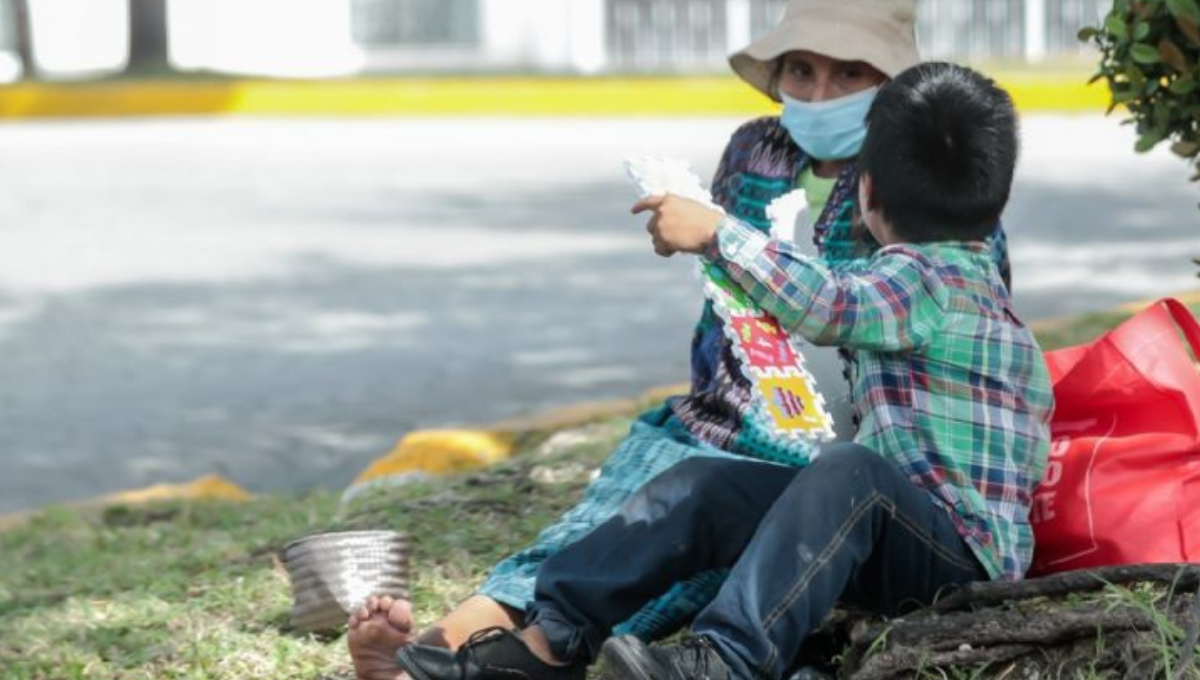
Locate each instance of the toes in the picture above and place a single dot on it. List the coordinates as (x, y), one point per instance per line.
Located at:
(385, 602)
(400, 615)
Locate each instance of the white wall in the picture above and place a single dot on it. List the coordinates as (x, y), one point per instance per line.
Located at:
(266, 37)
(313, 38)
(585, 19)
(73, 38)
(558, 35)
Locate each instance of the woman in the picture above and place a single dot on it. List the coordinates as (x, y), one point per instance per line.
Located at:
(824, 61)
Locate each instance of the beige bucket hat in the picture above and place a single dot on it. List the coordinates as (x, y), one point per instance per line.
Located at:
(880, 32)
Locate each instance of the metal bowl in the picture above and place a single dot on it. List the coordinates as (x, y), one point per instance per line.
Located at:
(333, 574)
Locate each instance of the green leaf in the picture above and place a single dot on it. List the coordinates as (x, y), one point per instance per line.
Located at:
(1184, 8)
(1137, 79)
(1147, 141)
(1086, 33)
(1162, 120)
(1183, 86)
(1186, 149)
(1123, 95)
(1141, 29)
(1144, 54)
(1116, 26)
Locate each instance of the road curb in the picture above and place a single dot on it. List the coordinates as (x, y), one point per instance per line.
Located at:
(482, 96)
(1191, 297)
(208, 487)
(426, 453)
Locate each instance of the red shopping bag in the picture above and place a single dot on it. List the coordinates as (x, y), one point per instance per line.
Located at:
(1123, 482)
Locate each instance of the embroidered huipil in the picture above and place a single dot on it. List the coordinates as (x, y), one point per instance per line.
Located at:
(949, 385)
(760, 164)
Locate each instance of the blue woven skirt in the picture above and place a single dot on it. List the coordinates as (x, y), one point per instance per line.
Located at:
(656, 442)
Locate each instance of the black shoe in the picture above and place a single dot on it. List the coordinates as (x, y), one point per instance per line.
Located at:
(490, 654)
(628, 658)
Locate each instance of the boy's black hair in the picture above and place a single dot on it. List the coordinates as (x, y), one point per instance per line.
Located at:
(941, 149)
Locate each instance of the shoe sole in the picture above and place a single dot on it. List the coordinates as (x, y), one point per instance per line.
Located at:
(408, 666)
(622, 658)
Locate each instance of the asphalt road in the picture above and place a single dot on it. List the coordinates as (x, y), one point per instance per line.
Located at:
(279, 300)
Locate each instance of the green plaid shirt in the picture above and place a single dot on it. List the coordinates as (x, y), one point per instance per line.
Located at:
(948, 383)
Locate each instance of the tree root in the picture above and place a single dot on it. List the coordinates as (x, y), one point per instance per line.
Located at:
(1124, 623)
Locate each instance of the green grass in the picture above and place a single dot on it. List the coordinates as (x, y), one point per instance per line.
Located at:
(167, 591)
(196, 590)
(1084, 328)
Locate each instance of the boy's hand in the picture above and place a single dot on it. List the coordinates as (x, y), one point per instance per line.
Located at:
(679, 224)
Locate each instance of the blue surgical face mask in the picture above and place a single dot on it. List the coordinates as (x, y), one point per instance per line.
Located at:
(828, 130)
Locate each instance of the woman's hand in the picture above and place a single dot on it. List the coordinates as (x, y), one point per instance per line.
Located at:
(679, 224)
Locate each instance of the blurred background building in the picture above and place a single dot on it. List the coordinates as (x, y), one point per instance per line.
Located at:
(70, 39)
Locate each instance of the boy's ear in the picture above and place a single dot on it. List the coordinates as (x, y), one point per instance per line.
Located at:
(866, 192)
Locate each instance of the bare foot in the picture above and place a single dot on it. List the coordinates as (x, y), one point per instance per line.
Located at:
(377, 630)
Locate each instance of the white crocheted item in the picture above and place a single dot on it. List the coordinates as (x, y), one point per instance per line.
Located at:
(655, 176)
(784, 212)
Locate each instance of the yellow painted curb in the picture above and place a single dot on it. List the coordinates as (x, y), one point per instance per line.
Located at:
(528, 96)
(14, 520)
(656, 394)
(423, 453)
(1190, 297)
(210, 487)
(583, 413)
(1051, 325)
(441, 452)
(1059, 91)
(436, 452)
(565, 417)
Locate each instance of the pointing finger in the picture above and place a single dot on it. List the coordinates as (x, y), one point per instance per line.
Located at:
(647, 203)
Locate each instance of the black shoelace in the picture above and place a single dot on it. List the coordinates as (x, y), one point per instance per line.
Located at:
(479, 637)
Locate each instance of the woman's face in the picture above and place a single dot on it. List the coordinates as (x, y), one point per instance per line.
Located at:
(812, 77)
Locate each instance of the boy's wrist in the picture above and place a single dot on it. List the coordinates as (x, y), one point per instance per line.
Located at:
(736, 242)
(712, 250)
(725, 229)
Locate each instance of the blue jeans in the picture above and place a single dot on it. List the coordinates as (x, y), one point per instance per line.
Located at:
(849, 527)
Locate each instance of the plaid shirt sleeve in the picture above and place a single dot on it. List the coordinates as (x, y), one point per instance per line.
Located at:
(893, 306)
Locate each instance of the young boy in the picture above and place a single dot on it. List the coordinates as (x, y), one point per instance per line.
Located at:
(954, 402)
